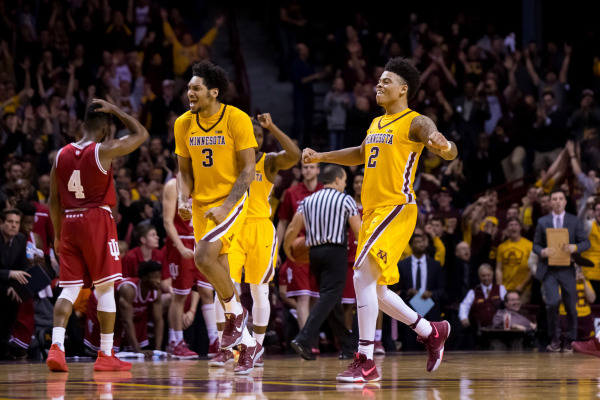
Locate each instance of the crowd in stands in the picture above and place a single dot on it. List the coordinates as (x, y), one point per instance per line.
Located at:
(517, 114)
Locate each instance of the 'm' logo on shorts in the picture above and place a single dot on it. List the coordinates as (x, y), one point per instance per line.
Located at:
(383, 255)
(113, 246)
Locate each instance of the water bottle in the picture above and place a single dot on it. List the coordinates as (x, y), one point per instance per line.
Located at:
(507, 324)
(30, 250)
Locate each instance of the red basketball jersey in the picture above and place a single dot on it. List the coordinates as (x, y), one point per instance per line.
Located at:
(82, 181)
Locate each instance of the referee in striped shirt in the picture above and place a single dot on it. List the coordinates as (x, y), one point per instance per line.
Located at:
(325, 215)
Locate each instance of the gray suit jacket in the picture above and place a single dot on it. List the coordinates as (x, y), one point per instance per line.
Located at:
(577, 236)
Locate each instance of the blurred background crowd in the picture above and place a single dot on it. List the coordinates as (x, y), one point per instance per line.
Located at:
(523, 112)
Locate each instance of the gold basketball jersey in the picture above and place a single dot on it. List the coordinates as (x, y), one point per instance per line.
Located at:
(391, 160)
(212, 144)
(260, 190)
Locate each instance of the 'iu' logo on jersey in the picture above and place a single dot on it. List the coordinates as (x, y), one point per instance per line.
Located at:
(113, 246)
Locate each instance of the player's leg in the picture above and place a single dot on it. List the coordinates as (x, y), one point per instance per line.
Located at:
(378, 349)
(432, 334)
(261, 310)
(303, 309)
(250, 350)
(107, 313)
(209, 314)
(223, 356)
(365, 284)
(62, 311)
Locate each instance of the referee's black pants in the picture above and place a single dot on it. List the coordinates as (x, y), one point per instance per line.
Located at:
(328, 264)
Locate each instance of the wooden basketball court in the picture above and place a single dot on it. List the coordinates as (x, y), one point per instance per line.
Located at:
(481, 375)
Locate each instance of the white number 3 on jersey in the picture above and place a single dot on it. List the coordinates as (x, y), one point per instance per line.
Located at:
(75, 184)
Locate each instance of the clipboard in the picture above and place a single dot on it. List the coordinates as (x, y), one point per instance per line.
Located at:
(39, 280)
(557, 238)
(421, 306)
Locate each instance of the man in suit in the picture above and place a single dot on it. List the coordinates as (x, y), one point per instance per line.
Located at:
(416, 272)
(13, 261)
(554, 276)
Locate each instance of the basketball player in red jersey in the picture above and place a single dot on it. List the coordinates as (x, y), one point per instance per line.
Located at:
(81, 196)
(179, 252)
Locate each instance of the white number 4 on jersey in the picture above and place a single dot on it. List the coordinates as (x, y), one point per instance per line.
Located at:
(75, 184)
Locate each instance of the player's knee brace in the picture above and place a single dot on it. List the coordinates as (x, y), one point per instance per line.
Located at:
(105, 294)
(260, 296)
(70, 293)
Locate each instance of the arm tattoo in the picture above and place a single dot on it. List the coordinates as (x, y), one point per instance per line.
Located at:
(421, 128)
(240, 186)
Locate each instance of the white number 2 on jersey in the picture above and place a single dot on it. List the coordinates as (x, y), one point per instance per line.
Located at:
(75, 184)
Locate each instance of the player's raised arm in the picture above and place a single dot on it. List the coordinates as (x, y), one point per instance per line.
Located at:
(422, 129)
(289, 156)
(127, 144)
(348, 156)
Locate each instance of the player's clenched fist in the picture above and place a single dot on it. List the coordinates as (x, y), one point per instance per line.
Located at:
(185, 210)
(438, 141)
(217, 214)
(309, 156)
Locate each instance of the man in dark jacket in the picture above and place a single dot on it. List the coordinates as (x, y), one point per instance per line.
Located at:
(13, 261)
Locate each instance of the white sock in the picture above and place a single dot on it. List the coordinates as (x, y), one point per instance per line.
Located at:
(233, 306)
(106, 343)
(247, 339)
(58, 337)
(259, 337)
(367, 307)
(378, 335)
(178, 336)
(423, 328)
(172, 335)
(210, 320)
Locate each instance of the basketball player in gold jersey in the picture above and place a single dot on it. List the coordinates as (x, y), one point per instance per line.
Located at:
(391, 153)
(215, 148)
(255, 249)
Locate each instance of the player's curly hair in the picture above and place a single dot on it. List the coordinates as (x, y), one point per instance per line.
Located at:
(147, 267)
(407, 71)
(214, 76)
(96, 121)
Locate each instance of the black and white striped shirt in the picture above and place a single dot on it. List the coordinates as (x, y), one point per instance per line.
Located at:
(326, 214)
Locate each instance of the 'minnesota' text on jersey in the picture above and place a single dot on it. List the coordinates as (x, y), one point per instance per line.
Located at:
(391, 160)
(212, 144)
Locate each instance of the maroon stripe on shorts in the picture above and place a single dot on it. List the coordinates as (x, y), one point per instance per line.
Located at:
(217, 231)
(377, 233)
(407, 175)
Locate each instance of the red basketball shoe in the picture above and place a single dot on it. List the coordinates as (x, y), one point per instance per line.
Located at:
(260, 362)
(56, 359)
(378, 348)
(183, 352)
(110, 363)
(247, 358)
(361, 370)
(234, 327)
(435, 344)
(213, 348)
(223, 357)
(591, 347)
